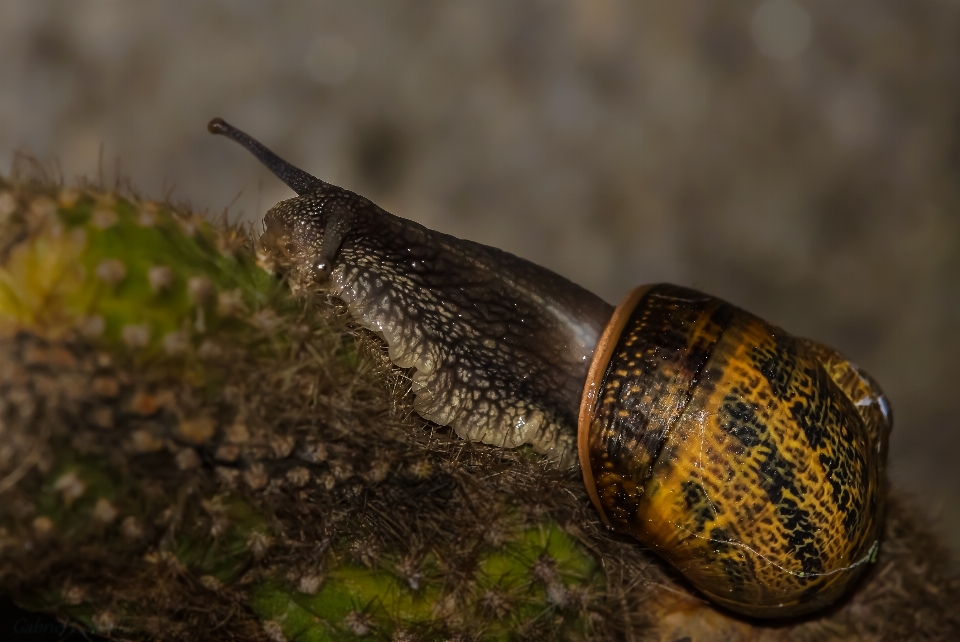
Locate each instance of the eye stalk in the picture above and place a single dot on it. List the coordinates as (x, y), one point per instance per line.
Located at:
(295, 178)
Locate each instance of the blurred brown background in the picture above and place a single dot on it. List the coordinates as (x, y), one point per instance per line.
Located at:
(799, 159)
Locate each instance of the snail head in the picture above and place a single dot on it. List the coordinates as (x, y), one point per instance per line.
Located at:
(302, 235)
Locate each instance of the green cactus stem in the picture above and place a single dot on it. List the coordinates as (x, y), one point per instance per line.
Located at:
(189, 452)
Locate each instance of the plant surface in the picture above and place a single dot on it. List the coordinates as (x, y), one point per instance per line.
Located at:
(189, 452)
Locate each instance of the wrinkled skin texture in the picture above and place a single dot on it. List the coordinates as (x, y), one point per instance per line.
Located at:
(500, 346)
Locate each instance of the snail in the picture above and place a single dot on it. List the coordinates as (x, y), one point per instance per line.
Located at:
(749, 459)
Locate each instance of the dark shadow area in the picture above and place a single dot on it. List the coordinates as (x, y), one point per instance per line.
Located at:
(19, 625)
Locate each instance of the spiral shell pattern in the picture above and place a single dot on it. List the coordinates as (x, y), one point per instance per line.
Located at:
(749, 459)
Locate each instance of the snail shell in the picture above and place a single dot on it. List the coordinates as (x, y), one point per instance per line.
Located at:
(749, 459)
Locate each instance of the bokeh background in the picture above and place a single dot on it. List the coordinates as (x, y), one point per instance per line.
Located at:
(800, 159)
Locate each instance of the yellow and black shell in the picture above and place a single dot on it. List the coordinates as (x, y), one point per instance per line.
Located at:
(750, 459)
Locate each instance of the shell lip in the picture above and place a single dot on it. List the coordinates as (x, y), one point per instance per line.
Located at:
(592, 386)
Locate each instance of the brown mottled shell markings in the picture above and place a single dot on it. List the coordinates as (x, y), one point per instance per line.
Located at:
(744, 456)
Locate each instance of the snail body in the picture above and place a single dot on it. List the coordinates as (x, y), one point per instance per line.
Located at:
(749, 459)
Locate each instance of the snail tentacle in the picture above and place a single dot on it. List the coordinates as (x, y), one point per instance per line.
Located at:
(295, 178)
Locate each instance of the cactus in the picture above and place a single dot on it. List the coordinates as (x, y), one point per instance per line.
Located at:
(189, 452)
